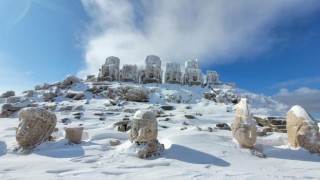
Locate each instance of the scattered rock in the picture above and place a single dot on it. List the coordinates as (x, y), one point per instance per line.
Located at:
(123, 126)
(66, 108)
(79, 108)
(136, 95)
(129, 110)
(79, 96)
(98, 114)
(223, 126)
(189, 116)
(36, 126)
(8, 94)
(114, 143)
(50, 107)
(71, 95)
(7, 110)
(49, 96)
(74, 134)
(65, 120)
(167, 107)
(188, 107)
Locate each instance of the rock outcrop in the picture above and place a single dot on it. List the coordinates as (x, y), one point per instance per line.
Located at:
(302, 130)
(7, 94)
(70, 80)
(243, 127)
(137, 95)
(36, 126)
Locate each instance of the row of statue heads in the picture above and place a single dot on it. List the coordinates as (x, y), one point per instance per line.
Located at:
(152, 73)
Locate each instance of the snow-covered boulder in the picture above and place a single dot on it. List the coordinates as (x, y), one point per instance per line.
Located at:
(43, 86)
(7, 110)
(36, 126)
(137, 95)
(144, 133)
(74, 134)
(7, 94)
(49, 96)
(13, 99)
(243, 127)
(302, 130)
(69, 81)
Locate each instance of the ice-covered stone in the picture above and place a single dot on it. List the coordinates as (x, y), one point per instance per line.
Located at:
(302, 130)
(212, 77)
(129, 73)
(152, 73)
(70, 80)
(243, 127)
(173, 73)
(192, 74)
(110, 70)
(36, 126)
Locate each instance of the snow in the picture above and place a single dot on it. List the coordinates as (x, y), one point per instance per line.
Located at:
(189, 153)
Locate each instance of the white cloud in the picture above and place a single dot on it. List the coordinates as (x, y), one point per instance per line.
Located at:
(180, 30)
(304, 96)
(298, 82)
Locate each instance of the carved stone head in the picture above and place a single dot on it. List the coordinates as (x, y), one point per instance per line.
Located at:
(144, 127)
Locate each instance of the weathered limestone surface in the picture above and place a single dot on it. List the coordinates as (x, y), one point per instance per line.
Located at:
(36, 126)
(243, 127)
(302, 130)
(144, 132)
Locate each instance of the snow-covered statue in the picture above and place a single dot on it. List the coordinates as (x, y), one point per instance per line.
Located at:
(173, 73)
(212, 77)
(129, 73)
(192, 74)
(153, 72)
(243, 127)
(144, 132)
(302, 130)
(110, 70)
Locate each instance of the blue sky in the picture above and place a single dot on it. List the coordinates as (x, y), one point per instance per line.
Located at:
(267, 47)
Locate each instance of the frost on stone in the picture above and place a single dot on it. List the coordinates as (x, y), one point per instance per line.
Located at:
(152, 72)
(192, 74)
(144, 132)
(302, 130)
(173, 73)
(212, 77)
(129, 73)
(243, 127)
(110, 70)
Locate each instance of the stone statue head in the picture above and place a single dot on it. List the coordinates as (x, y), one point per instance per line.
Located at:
(144, 127)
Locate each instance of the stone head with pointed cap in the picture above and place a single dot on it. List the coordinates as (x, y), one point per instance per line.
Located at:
(144, 127)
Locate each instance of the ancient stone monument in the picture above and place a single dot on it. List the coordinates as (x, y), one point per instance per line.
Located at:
(110, 70)
(192, 74)
(144, 132)
(212, 77)
(302, 130)
(243, 127)
(36, 126)
(74, 134)
(129, 73)
(173, 73)
(152, 73)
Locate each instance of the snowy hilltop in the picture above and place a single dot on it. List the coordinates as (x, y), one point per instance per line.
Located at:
(96, 124)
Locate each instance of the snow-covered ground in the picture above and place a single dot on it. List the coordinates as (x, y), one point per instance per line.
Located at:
(190, 153)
